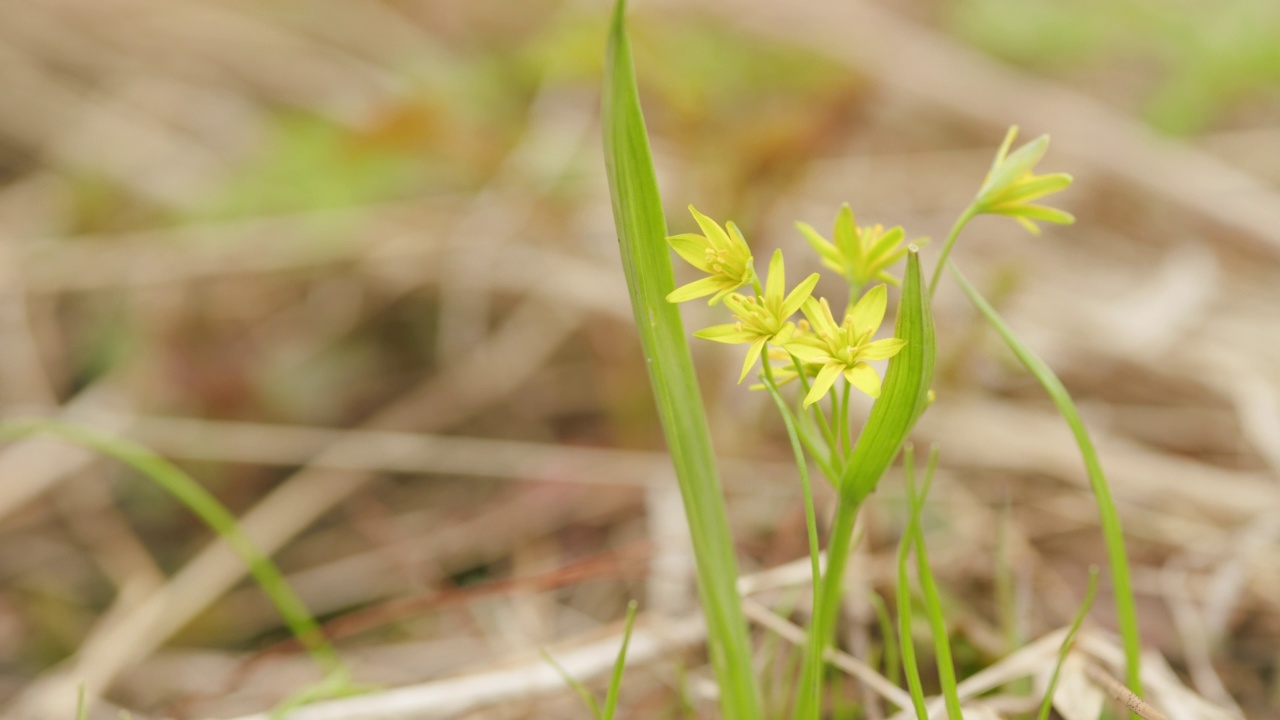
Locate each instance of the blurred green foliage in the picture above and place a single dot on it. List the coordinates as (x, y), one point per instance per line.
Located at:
(1201, 60)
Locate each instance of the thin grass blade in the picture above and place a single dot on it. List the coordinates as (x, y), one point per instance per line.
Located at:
(1068, 641)
(1126, 614)
(932, 603)
(615, 680)
(575, 684)
(204, 505)
(907, 647)
(641, 226)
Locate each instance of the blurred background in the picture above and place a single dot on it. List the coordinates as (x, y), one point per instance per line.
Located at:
(352, 265)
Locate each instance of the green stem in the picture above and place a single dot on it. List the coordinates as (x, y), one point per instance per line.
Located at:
(838, 420)
(855, 292)
(959, 225)
(846, 443)
(827, 432)
(810, 515)
(826, 609)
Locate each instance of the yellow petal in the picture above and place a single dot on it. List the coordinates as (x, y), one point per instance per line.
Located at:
(821, 384)
(730, 334)
(715, 234)
(693, 248)
(864, 377)
(753, 354)
(881, 349)
(697, 289)
(776, 283)
(869, 312)
(798, 296)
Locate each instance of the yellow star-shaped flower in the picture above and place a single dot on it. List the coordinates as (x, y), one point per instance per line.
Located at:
(724, 256)
(845, 348)
(765, 320)
(1011, 185)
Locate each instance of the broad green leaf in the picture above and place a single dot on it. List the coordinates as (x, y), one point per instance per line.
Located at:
(637, 212)
(904, 393)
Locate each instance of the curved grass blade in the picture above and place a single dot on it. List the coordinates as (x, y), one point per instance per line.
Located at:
(637, 212)
(1126, 614)
(1068, 641)
(205, 506)
(905, 392)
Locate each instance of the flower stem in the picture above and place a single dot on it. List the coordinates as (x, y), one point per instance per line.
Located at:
(845, 441)
(827, 431)
(826, 608)
(959, 225)
(810, 515)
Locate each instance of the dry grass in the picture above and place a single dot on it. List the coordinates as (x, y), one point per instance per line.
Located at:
(422, 394)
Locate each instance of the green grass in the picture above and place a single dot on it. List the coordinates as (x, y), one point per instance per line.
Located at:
(204, 505)
(1112, 533)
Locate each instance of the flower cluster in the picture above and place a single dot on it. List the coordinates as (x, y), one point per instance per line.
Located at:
(860, 254)
(820, 346)
(819, 350)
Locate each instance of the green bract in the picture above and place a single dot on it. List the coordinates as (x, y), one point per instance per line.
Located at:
(861, 255)
(724, 256)
(845, 348)
(1011, 185)
(762, 321)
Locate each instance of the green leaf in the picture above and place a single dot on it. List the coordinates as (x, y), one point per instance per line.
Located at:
(1126, 614)
(1068, 641)
(203, 504)
(905, 391)
(576, 685)
(637, 212)
(615, 680)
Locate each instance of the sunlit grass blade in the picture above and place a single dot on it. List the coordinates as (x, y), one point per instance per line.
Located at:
(1126, 614)
(929, 589)
(641, 226)
(190, 493)
(905, 392)
(1068, 641)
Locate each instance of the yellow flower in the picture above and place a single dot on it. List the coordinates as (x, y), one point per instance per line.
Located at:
(724, 256)
(860, 254)
(761, 321)
(844, 349)
(1011, 185)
